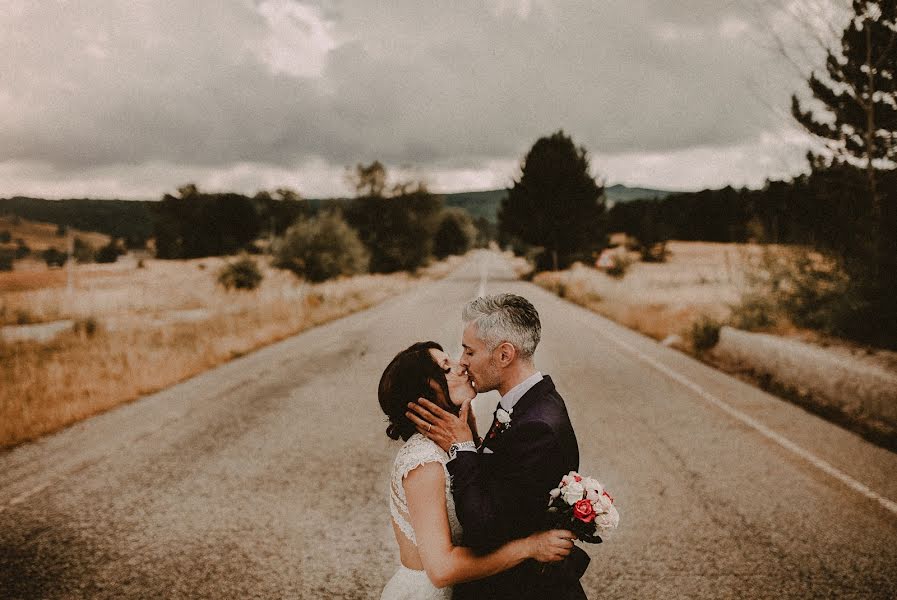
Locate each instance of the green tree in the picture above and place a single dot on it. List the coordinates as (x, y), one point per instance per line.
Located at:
(397, 223)
(195, 224)
(556, 203)
(368, 180)
(856, 116)
(456, 233)
(321, 248)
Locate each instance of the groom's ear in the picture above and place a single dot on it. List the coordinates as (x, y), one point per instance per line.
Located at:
(506, 353)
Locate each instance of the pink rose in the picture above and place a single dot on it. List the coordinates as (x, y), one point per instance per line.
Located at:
(583, 511)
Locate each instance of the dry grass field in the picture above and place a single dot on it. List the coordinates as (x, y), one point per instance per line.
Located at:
(661, 299)
(136, 330)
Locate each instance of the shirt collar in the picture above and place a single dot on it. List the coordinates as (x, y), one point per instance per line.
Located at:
(516, 393)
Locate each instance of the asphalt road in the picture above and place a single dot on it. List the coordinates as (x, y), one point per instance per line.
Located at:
(268, 477)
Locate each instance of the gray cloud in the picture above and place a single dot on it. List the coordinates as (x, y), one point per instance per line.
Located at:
(95, 88)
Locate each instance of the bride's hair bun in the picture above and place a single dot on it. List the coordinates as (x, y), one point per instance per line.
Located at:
(393, 431)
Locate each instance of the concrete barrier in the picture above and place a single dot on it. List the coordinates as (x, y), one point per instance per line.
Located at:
(859, 389)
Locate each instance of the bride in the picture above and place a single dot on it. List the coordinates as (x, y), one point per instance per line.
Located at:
(423, 512)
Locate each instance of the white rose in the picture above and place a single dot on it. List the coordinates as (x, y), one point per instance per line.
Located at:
(503, 417)
(573, 493)
(608, 520)
(605, 502)
(554, 493)
(592, 495)
(592, 484)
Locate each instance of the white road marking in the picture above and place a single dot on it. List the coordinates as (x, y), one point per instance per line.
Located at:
(484, 274)
(811, 458)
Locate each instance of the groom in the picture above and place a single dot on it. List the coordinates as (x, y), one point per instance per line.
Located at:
(500, 486)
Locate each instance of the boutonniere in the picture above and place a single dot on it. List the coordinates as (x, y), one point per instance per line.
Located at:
(504, 417)
(502, 421)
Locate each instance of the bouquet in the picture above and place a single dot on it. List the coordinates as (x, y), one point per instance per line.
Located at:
(582, 505)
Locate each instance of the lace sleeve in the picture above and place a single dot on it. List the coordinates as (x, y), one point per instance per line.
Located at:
(417, 451)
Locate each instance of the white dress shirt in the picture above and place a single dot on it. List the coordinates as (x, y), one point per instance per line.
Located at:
(508, 401)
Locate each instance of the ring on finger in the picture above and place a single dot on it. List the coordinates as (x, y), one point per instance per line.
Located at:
(429, 427)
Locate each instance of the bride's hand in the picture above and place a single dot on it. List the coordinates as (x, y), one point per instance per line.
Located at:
(551, 546)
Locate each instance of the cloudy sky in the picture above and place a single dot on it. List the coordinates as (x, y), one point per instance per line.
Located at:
(133, 98)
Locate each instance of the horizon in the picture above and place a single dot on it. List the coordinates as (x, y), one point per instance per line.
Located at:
(434, 192)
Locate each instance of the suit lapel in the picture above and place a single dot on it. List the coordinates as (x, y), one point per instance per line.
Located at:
(529, 399)
(532, 396)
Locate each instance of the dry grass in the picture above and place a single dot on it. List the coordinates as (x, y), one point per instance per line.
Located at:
(143, 344)
(660, 299)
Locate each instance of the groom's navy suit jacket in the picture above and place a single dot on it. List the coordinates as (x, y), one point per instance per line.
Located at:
(503, 495)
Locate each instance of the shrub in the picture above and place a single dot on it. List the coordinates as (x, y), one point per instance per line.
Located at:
(456, 233)
(54, 258)
(22, 249)
(704, 333)
(619, 265)
(83, 251)
(803, 287)
(24, 317)
(5, 237)
(110, 252)
(242, 275)
(86, 327)
(656, 253)
(321, 248)
(7, 257)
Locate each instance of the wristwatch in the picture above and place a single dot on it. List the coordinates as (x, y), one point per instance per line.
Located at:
(459, 446)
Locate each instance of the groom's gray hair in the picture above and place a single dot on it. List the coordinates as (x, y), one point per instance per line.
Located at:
(505, 318)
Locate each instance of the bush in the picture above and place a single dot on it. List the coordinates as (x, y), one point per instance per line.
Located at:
(704, 333)
(110, 252)
(54, 258)
(456, 233)
(83, 251)
(806, 288)
(619, 265)
(321, 248)
(86, 327)
(242, 275)
(655, 253)
(7, 258)
(22, 249)
(5, 237)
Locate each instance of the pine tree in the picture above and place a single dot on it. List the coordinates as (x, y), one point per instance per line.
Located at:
(858, 122)
(859, 96)
(556, 203)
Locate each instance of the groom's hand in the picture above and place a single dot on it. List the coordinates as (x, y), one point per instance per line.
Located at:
(439, 425)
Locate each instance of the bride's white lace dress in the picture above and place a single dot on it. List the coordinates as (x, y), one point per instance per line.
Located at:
(408, 584)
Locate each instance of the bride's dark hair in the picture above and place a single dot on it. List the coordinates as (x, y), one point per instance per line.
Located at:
(409, 376)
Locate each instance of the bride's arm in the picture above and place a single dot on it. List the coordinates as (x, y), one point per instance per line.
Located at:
(446, 564)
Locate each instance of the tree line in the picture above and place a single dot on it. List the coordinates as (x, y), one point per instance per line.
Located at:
(383, 229)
